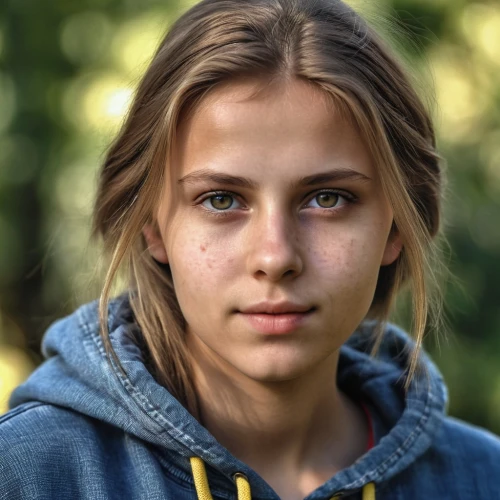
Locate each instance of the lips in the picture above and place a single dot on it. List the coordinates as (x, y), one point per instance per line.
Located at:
(278, 318)
(276, 308)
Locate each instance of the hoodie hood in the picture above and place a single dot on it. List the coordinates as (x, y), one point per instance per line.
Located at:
(78, 375)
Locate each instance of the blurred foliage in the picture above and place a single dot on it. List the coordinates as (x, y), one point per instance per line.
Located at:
(67, 73)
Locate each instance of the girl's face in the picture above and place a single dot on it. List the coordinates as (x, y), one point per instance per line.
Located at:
(272, 204)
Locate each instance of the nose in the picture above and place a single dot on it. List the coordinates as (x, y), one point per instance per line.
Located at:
(273, 250)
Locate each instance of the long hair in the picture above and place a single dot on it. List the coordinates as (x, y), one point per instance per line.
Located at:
(324, 42)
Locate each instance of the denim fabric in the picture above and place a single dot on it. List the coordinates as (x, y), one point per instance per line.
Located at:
(79, 428)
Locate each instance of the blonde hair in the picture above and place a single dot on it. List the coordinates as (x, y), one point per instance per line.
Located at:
(322, 41)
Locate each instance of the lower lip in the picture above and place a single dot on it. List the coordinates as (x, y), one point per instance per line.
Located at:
(277, 324)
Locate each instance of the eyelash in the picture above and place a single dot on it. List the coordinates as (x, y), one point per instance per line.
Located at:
(348, 197)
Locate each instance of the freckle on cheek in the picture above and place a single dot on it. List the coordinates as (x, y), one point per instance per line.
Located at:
(203, 248)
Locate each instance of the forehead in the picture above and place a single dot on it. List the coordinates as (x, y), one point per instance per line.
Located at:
(248, 122)
(232, 105)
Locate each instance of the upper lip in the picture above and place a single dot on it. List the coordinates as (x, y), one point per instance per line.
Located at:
(276, 308)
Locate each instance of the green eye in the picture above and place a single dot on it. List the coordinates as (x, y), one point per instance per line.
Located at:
(221, 201)
(327, 200)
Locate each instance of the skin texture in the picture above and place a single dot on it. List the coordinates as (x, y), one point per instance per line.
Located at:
(272, 399)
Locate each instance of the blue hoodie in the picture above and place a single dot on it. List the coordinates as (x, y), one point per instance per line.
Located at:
(79, 429)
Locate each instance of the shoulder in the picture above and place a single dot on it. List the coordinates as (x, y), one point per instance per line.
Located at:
(464, 459)
(44, 427)
(42, 443)
(48, 452)
(462, 462)
(468, 442)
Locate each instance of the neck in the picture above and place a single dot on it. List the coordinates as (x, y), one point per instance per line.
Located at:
(280, 428)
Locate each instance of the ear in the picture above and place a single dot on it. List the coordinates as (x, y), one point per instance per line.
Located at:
(393, 247)
(156, 247)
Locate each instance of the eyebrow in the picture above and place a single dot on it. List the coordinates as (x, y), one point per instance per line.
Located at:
(338, 174)
(207, 175)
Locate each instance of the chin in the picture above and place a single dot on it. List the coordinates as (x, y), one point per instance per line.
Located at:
(274, 372)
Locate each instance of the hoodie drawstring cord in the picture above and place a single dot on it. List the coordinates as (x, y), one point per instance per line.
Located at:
(242, 484)
(368, 492)
(201, 482)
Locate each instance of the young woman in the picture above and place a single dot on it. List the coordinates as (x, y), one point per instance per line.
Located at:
(275, 185)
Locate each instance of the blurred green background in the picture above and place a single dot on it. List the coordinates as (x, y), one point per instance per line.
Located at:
(67, 72)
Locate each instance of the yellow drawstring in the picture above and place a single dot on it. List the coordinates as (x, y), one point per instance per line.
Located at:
(200, 479)
(242, 487)
(242, 484)
(368, 492)
(201, 482)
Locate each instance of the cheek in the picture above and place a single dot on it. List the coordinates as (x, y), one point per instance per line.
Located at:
(349, 261)
(200, 265)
